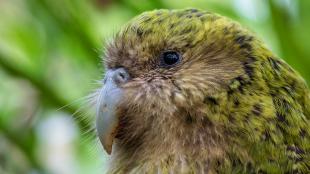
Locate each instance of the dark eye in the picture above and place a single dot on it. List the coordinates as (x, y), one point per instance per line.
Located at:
(170, 58)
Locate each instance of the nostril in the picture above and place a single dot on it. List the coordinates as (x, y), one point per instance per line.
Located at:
(120, 76)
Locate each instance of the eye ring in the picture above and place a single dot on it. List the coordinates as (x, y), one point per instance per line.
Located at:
(170, 58)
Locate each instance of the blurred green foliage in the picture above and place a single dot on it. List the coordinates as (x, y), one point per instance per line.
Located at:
(50, 60)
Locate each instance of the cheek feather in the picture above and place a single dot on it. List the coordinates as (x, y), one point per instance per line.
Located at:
(178, 98)
(149, 94)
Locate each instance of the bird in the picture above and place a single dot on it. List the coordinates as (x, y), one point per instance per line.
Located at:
(192, 91)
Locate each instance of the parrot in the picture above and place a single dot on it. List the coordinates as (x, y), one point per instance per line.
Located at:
(189, 91)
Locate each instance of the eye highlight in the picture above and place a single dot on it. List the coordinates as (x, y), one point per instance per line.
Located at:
(170, 58)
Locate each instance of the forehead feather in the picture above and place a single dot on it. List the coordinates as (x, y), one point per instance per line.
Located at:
(193, 33)
(168, 25)
(178, 29)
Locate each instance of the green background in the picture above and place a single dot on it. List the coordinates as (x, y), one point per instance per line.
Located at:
(50, 62)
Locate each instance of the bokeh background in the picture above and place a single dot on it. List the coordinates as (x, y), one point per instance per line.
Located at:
(50, 62)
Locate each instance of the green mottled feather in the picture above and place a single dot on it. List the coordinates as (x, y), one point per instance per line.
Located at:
(260, 105)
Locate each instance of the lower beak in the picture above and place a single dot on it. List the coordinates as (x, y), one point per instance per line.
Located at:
(107, 120)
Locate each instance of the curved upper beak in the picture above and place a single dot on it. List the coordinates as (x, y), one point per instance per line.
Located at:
(109, 98)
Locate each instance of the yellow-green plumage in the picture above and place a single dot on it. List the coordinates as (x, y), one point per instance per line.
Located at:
(230, 106)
